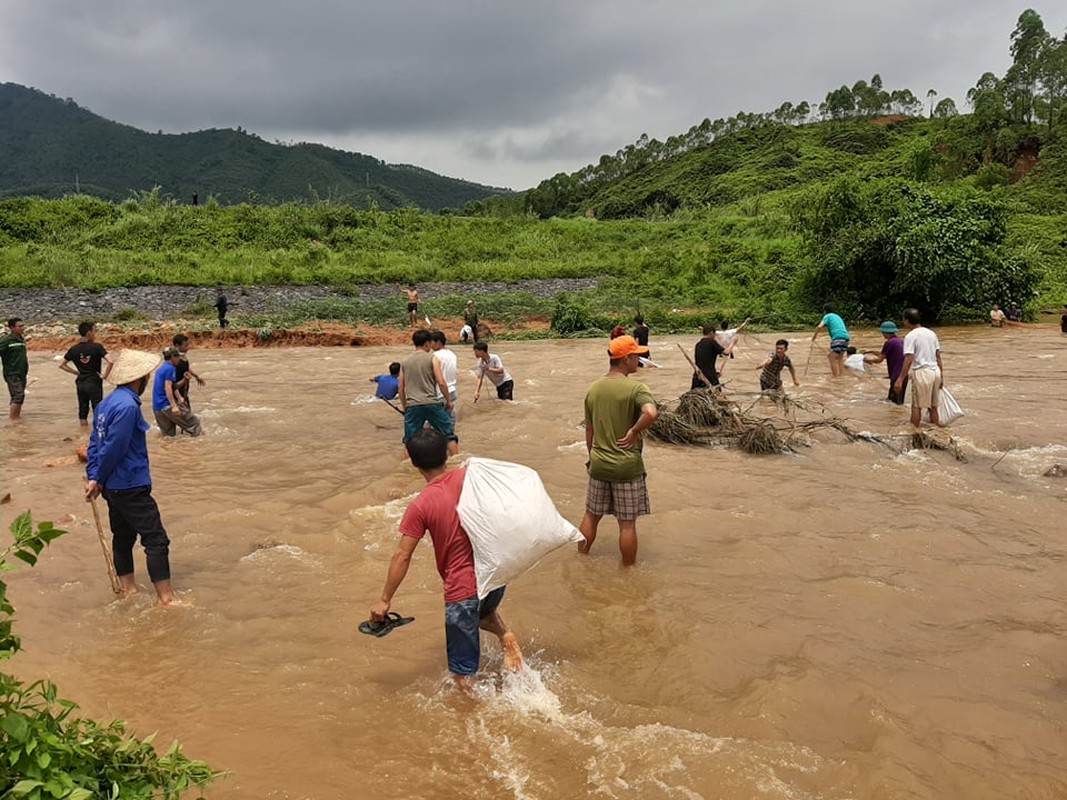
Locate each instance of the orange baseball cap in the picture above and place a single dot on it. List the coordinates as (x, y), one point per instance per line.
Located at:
(623, 346)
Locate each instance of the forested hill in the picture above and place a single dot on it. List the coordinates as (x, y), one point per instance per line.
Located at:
(51, 147)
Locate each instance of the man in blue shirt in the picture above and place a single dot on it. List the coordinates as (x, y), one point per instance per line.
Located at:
(170, 412)
(388, 385)
(839, 339)
(118, 469)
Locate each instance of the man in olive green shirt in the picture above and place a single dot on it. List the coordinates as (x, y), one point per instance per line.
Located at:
(16, 365)
(617, 410)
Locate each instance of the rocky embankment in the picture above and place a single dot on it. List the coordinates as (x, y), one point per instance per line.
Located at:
(171, 302)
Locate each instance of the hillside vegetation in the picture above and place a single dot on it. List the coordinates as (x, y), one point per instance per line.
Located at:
(872, 200)
(54, 147)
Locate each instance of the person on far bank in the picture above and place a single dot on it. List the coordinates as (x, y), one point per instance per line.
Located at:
(923, 367)
(413, 304)
(88, 358)
(118, 469)
(1014, 313)
(16, 365)
(839, 339)
(435, 511)
(892, 353)
(470, 323)
(491, 365)
(423, 393)
(617, 412)
(170, 414)
(222, 305)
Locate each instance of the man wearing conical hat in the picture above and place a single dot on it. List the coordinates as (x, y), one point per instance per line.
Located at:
(118, 469)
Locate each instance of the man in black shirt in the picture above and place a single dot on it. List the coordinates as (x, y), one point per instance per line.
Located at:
(87, 357)
(705, 355)
(182, 371)
(1063, 319)
(222, 305)
(641, 333)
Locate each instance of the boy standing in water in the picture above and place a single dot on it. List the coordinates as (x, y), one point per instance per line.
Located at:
(492, 366)
(434, 510)
(771, 377)
(88, 357)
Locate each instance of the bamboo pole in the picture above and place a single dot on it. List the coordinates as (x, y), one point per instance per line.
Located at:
(696, 369)
(116, 587)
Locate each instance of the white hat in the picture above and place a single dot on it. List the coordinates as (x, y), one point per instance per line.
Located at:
(129, 365)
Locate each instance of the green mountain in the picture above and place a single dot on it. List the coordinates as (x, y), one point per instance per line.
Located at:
(53, 147)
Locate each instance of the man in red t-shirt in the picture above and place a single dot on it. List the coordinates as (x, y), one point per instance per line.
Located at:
(434, 510)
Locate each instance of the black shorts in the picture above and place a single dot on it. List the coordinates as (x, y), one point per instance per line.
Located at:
(505, 390)
(413, 307)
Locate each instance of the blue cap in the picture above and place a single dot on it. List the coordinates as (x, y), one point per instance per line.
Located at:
(888, 327)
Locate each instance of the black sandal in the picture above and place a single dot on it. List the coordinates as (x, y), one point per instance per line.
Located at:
(392, 620)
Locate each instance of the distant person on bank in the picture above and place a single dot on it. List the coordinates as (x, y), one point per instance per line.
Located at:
(892, 353)
(470, 323)
(171, 415)
(86, 361)
(839, 339)
(617, 412)
(1014, 314)
(413, 303)
(434, 511)
(16, 365)
(118, 468)
(423, 392)
(222, 305)
(923, 367)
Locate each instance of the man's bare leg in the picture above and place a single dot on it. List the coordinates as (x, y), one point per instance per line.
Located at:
(494, 623)
(916, 416)
(588, 528)
(628, 541)
(14, 411)
(453, 447)
(166, 594)
(935, 416)
(128, 585)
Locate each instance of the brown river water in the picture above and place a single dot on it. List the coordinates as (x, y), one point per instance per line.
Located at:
(840, 623)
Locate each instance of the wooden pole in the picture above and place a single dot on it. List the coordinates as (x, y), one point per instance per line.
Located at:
(696, 369)
(808, 362)
(116, 587)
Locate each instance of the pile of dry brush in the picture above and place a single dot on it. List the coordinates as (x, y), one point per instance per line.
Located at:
(707, 417)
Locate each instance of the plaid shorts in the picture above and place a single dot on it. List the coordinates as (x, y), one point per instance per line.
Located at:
(623, 499)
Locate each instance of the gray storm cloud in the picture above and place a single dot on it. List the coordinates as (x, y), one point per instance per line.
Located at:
(500, 92)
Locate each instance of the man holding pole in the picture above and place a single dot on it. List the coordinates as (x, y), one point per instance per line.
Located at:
(118, 469)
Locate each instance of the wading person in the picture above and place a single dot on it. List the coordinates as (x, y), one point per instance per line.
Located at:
(617, 411)
(388, 385)
(770, 379)
(892, 353)
(85, 360)
(424, 395)
(491, 366)
(171, 415)
(434, 511)
(923, 367)
(16, 365)
(705, 355)
(184, 371)
(118, 469)
(449, 367)
(641, 332)
(839, 339)
(996, 317)
(728, 337)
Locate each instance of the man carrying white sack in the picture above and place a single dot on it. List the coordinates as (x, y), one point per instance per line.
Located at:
(435, 510)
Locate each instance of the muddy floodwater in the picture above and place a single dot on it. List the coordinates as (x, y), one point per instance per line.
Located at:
(840, 623)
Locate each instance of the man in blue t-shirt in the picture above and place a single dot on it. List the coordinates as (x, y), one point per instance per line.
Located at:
(166, 401)
(388, 385)
(839, 339)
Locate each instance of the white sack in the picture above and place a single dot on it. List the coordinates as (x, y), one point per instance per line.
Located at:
(510, 519)
(948, 410)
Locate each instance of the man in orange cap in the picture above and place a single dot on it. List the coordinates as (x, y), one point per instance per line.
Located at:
(617, 411)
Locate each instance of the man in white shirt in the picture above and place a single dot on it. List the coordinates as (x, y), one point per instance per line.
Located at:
(490, 365)
(922, 364)
(449, 366)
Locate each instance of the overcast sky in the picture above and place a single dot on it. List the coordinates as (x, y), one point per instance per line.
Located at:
(503, 93)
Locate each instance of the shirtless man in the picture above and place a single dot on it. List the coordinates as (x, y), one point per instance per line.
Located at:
(413, 304)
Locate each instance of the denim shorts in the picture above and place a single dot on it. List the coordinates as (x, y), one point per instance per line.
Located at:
(461, 630)
(839, 346)
(415, 417)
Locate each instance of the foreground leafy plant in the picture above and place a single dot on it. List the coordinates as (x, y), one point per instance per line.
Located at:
(46, 751)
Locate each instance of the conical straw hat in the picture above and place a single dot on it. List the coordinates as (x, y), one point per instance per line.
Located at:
(129, 365)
